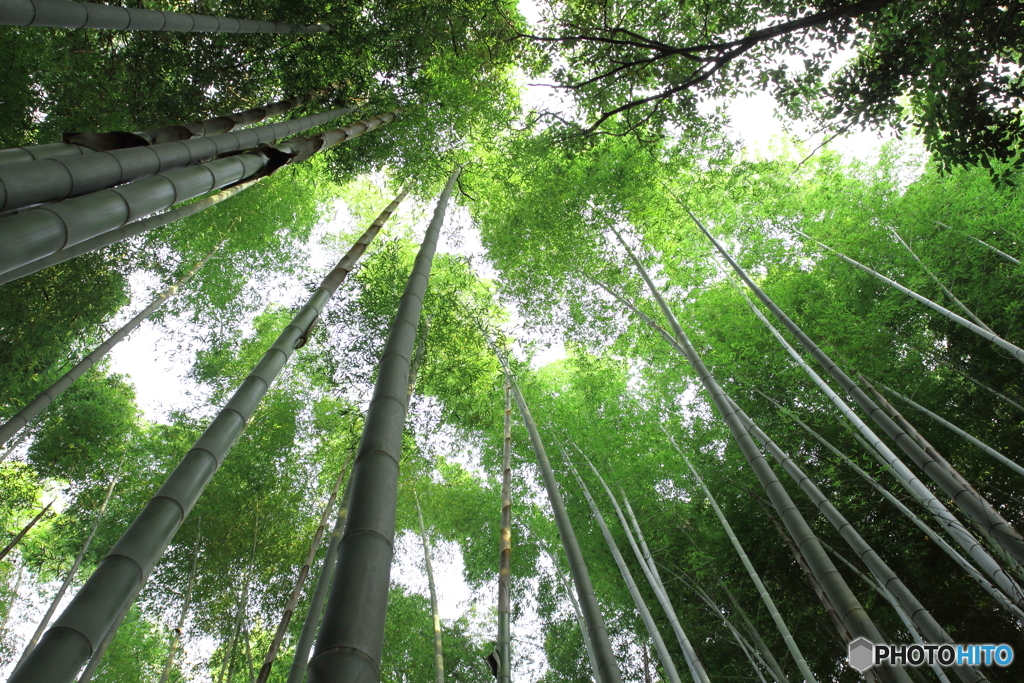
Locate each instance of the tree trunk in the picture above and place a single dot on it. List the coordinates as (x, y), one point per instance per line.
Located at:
(69, 14)
(25, 416)
(349, 645)
(438, 651)
(504, 644)
(37, 233)
(121, 574)
(28, 527)
(69, 577)
(607, 670)
(300, 582)
(172, 653)
(129, 230)
(627, 576)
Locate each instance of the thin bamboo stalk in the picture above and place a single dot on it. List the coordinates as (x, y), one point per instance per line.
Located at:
(435, 613)
(1002, 254)
(172, 653)
(1003, 397)
(503, 647)
(25, 529)
(567, 589)
(69, 14)
(121, 574)
(755, 635)
(350, 642)
(26, 415)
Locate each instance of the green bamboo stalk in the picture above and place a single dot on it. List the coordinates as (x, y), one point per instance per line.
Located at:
(1002, 254)
(1017, 352)
(580, 621)
(1003, 397)
(349, 645)
(300, 582)
(434, 612)
(108, 636)
(895, 465)
(607, 670)
(172, 652)
(755, 635)
(36, 233)
(627, 577)
(504, 646)
(69, 14)
(25, 529)
(69, 577)
(120, 575)
(959, 432)
(27, 414)
(76, 144)
(128, 230)
(240, 615)
(885, 577)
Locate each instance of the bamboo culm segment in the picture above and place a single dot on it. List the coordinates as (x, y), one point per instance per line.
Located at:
(69, 14)
(503, 646)
(129, 230)
(435, 613)
(76, 144)
(25, 416)
(351, 638)
(37, 233)
(52, 180)
(119, 577)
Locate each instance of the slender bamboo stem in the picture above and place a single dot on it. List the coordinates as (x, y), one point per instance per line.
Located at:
(1002, 254)
(503, 648)
(172, 653)
(25, 529)
(567, 589)
(962, 373)
(434, 612)
(755, 635)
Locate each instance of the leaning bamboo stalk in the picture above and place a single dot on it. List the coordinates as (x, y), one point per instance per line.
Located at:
(959, 432)
(1002, 254)
(128, 230)
(52, 180)
(580, 621)
(503, 644)
(69, 14)
(434, 612)
(350, 642)
(120, 575)
(36, 233)
(982, 332)
(27, 414)
(175, 648)
(300, 582)
(25, 529)
(76, 144)
(1001, 396)
(627, 577)
(755, 635)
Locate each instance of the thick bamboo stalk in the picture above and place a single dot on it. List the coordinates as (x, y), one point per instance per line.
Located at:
(503, 646)
(607, 670)
(120, 575)
(895, 465)
(350, 642)
(36, 233)
(69, 14)
(959, 432)
(69, 577)
(627, 577)
(128, 230)
(27, 414)
(984, 333)
(172, 652)
(1002, 254)
(300, 582)
(434, 612)
(885, 577)
(24, 530)
(52, 180)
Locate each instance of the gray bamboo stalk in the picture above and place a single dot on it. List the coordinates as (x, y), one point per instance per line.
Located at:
(1003, 397)
(297, 672)
(121, 574)
(755, 635)
(349, 645)
(128, 230)
(885, 577)
(14, 598)
(236, 631)
(300, 582)
(172, 652)
(24, 530)
(999, 596)
(504, 646)
(643, 557)
(26, 415)
(36, 233)
(959, 432)
(1002, 254)
(69, 14)
(854, 615)
(52, 180)
(627, 576)
(945, 290)
(576, 610)
(982, 332)
(153, 136)
(11, 448)
(895, 465)
(607, 670)
(248, 656)
(438, 651)
(69, 577)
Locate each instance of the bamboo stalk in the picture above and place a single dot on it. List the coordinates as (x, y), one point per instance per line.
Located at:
(434, 612)
(25, 529)
(172, 653)
(503, 647)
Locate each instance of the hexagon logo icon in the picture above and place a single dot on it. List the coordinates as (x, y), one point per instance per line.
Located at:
(861, 654)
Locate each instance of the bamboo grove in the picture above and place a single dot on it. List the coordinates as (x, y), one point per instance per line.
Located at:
(445, 384)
